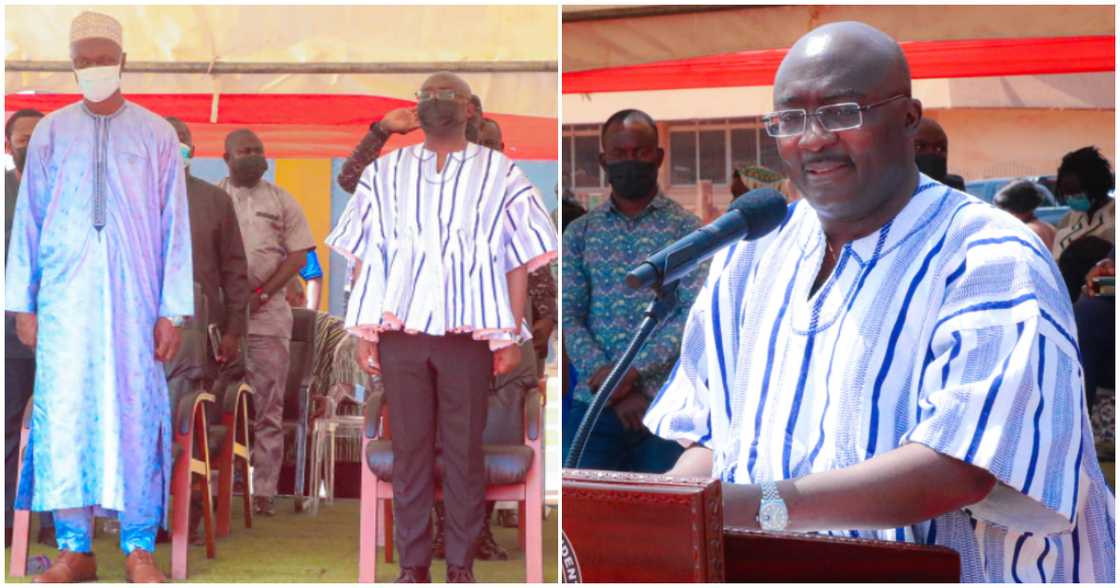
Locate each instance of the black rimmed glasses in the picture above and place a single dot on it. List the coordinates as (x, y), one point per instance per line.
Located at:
(833, 117)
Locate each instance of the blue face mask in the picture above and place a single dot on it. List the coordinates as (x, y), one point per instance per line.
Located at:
(185, 151)
(1078, 202)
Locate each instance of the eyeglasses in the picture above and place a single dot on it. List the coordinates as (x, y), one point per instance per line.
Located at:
(834, 117)
(426, 95)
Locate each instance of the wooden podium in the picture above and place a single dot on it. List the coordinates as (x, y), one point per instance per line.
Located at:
(623, 527)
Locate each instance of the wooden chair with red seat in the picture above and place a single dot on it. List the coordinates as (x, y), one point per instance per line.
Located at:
(514, 471)
(230, 442)
(188, 374)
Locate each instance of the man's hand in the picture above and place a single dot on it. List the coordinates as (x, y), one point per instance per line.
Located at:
(542, 330)
(400, 120)
(506, 358)
(27, 328)
(625, 387)
(1104, 268)
(229, 348)
(369, 357)
(167, 340)
(630, 411)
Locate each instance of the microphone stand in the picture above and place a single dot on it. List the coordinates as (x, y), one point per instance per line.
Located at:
(656, 312)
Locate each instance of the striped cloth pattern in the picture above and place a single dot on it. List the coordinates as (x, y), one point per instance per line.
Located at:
(948, 327)
(435, 246)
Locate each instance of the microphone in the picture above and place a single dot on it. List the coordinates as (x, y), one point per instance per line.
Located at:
(750, 216)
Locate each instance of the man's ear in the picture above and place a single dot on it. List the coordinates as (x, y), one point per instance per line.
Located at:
(913, 116)
(124, 57)
(660, 156)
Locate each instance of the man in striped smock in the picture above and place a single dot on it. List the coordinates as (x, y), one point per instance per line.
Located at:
(898, 360)
(446, 233)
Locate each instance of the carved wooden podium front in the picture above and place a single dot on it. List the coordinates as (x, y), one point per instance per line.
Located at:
(622, 527)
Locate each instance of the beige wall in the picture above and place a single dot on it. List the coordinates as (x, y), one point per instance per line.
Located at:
(985, 143)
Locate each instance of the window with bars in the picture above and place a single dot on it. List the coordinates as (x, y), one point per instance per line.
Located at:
(711, 150)
(701, 150)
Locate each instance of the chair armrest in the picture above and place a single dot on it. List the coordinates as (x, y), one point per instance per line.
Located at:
(188, 403)
(232, 394)
(534, 406)
(373, 415)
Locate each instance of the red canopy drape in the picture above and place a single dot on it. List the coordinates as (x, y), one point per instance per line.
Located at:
(928, 59)
(301, 125)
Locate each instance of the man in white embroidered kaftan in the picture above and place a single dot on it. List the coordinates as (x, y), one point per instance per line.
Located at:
(99, 271)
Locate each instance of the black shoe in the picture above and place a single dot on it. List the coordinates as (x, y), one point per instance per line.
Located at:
(459, 575)
(487, 549)
(263, 505)
(414, 576)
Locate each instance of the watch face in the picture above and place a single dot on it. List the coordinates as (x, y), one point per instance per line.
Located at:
(772, 516)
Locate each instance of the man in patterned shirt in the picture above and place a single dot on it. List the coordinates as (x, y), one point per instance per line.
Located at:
(601, 312)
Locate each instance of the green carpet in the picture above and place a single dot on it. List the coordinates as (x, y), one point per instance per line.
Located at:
(293, 547)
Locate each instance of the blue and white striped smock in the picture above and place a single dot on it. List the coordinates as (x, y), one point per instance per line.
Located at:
(949, 327)
(435, 246)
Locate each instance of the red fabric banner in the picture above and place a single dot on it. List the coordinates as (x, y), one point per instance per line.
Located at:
(928, 59)
(301, 125)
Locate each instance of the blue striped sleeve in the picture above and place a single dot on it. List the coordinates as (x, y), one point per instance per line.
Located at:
(527, 231)
(1003, 373)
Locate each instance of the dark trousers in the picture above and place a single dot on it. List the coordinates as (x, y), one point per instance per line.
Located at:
(435, 382)
(1096, 336)
(19, 383)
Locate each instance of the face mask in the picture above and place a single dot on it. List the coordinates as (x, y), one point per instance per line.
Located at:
(632, 179)
(248, 169)
(1078, 202)
(440, 114)
(932, 165)
(98, 83)
(185, 151)
(19, 156)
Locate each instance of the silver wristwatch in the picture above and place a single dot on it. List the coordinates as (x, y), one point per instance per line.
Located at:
(772, 513)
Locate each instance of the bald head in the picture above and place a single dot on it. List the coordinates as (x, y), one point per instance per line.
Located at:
(241, 140)
(855, 57)
(448, 80)
(848, 165)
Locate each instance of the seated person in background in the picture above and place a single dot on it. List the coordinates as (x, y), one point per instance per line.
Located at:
(1096, 331)
(1084, 182)
(1020, 198)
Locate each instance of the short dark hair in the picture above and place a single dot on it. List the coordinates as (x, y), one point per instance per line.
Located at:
(477, 102)
(1020, 197)
(620, 116)
(22, 113)
(1091, 168)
